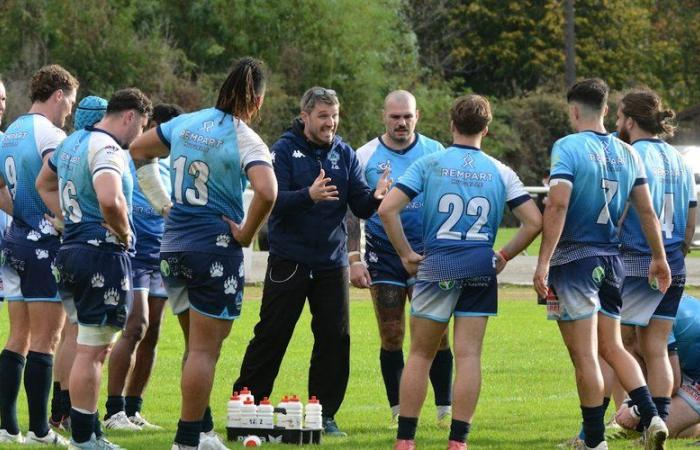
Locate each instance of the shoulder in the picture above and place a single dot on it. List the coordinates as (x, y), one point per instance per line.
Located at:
(45, 129)
(429, 145)
(365, 152)
(246, 136)
(505, 170)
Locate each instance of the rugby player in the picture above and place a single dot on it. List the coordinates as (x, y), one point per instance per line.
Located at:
(29, 247)
(90, 174)
(211, 151)
(382, 271)
(5, 198)
(465, 193)
(579, 270)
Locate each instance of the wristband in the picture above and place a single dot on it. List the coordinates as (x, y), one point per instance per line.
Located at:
(503, 255)
(356, 263)
(353, 253)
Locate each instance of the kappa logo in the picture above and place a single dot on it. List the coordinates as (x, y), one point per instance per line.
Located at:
(33, 236)
(372, 257)
(468, 161)
(207, 126)
(223, 240)
(95, 242)
(298, 154)
(111, 297)
(273, 155)
(41, 254)
(230, 285)
(598, 274)
(98, 280)
(216, 270)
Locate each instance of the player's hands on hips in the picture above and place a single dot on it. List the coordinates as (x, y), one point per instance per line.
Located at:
(124, 239)
(237, 232)
(321, 191)
(500, 262)
(56, 223)
(383, 185)
(411, 262)
(540, 280)
(359, 275)
(659, 274)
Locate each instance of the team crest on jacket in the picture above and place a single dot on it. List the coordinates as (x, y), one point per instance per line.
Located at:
(334, 157)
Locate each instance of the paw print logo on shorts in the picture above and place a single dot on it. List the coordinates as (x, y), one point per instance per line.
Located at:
(95, 242)
(111, 297)
(230, 285)
(223, 240)
(33, 236)
(125, 284)
(111, 238)
(241, 270)
(98, 280)
(373, 258)
(216, 270)
(41, 254)
(47, 228)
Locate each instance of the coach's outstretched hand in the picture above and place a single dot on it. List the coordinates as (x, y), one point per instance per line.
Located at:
(359, 275)
(383, 185)
(237, 232)
(411, 262)
(321, 191)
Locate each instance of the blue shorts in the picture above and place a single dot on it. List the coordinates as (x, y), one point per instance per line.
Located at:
(150, 280)
(97, 293)
(642, 302)
(209, 284)
(470, 297)
(583, 287)
(27, 273)
(384, 265)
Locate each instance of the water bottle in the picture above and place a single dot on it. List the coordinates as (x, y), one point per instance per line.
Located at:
(245, 394)
(282, 416)
(233, 408)
(314, 413)
(294, 413)
(266, 414)
(249, 416)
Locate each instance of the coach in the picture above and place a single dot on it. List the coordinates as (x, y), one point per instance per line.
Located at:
(319, 176)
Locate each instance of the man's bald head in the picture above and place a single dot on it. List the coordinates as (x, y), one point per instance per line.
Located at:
(400, 118)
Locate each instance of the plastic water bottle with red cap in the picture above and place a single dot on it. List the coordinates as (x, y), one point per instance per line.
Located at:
(233, 408)
(282, 416)
(266, 414)
(313, 414)
(294, 413)
(245, 394)
(249, 414)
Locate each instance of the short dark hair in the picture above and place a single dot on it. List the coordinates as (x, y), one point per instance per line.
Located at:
(471, 114)
(128, 99)
(317, 94)
(592, 92)
(238, 93)
(644, 107)
(163, 112)
(48, 80)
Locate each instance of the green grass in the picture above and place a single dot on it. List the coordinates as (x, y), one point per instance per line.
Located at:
(528, 398)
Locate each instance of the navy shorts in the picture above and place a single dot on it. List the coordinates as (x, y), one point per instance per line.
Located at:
(470, 297)
(384, 265)
(150, 280)
(95, 285)
(27, 273)
(583, 287)
(642, 302)
(209, 284)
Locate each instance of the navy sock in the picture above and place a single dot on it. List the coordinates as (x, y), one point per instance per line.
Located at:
(65, 403)
(441, 377)
(132, 405)
(391, 363)
(11, 365)
(606, 403)
(82, 425)
(662, 405)
(114, 405)
(188, 433)
(37, 383)
(56, 411)
(593, 425)
(97, 429)
(207, 421)
(642, 398)
(407, 428)
(459, 430)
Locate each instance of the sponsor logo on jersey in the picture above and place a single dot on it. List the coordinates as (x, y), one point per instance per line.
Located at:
(207, 126)
(468, 161)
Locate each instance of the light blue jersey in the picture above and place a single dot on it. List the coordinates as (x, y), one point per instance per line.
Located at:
(686, 336)
(4, 218)
(149, 224)
(25, 143)
(602, 171)
(209, 153)
(464, 194)
(374, 157)
(83, 156)
(672, 188)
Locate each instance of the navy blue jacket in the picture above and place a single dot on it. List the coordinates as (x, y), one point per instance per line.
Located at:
(314, 234)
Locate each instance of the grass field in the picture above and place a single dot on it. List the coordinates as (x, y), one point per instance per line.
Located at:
(528, 399)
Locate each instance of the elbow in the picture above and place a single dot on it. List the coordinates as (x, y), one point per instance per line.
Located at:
(384, 212)
(111, 203)
(267, 195)
(534, 225)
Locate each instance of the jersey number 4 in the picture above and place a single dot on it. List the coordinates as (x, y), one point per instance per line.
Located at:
(453, 205)
(198, 194)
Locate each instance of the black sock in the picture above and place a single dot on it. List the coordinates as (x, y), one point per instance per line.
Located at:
(11, 365)
(114, 405)
(606, 403)
(207, 421)
(37, 384)
(459, 430)
(188, 433)
(56, 412)
(65, 402)
(391, 363)
(441, 377)
(132, 405)
(81, 425)
(593, 425)
(407, 428)
(662, 405)
(642, 398)
(98, 425)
